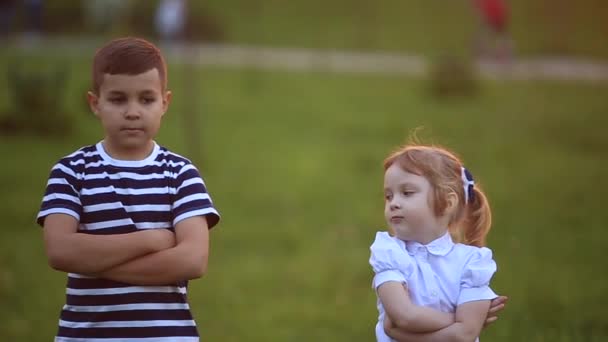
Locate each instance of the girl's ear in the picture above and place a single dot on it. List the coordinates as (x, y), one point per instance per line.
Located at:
(93, 101)
(451, 203)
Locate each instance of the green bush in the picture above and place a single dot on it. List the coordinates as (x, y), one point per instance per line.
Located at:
(36, 102)
(452, 76)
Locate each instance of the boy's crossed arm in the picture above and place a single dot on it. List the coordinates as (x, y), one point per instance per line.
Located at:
(146, 257)
(70, 251)
(184, 261)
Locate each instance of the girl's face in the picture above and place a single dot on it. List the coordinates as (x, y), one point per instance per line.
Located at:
(407, 206)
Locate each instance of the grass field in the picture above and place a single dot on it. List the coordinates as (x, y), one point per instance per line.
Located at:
(293, 162)
(430, 27)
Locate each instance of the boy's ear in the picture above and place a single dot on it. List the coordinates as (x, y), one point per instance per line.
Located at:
(93, 101)
(167, 100)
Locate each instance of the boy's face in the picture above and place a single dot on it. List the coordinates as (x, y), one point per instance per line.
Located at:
(130, 108)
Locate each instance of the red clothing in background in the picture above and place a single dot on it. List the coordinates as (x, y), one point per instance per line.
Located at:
(495, 12)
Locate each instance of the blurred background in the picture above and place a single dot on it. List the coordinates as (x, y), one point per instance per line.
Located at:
(288, 109)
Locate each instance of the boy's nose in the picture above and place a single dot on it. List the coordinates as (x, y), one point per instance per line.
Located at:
(132, 112)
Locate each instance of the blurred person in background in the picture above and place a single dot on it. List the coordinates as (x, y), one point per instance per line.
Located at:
(34, 10)
(492, 39)
(170, 20)
(7, 15)
(102, 15)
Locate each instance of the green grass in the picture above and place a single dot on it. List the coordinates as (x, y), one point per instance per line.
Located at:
(293, 162)
(432, 27)
(429, 27)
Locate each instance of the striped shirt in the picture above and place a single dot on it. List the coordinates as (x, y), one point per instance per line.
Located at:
(109, 196)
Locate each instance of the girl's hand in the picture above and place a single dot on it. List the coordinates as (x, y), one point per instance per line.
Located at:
(388, 325)
(496, 306)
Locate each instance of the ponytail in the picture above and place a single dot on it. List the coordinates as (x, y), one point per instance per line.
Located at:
(477, 220)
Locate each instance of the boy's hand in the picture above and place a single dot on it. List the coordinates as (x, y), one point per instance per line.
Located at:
(160, 239)
(496, 306)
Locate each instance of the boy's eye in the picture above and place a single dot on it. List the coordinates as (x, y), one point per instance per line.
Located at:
(408, 193)
(116, 99)
(148, 100)
(388, 196)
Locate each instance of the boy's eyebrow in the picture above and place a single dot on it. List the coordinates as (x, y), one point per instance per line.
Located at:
(143, 92)
(148, 91)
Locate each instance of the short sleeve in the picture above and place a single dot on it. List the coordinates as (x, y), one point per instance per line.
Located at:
(475, 281)
(389, 260)
(61, 195)
(191, 198)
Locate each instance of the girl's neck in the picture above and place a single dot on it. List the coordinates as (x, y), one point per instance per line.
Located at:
(428, 238)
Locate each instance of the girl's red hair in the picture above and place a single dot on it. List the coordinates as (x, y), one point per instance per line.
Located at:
(471, 222)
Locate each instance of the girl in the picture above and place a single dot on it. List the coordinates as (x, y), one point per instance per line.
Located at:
(430, 288)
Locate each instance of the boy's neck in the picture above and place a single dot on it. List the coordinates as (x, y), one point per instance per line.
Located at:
(134, 154)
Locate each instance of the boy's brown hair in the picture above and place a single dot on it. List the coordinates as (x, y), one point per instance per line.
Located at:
(128, 56)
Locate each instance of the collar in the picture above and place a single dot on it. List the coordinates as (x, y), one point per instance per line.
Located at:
(128, 163)
(440, 246)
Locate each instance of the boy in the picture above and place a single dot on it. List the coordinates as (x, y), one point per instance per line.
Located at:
(126, 218)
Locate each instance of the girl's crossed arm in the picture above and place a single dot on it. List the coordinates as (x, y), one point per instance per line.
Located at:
(393, 267)
(475, 309)
(469, 320)
(407, 316)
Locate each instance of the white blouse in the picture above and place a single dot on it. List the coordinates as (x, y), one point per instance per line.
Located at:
(440, 275)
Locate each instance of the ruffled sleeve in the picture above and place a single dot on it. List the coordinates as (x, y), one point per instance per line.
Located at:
(389, 260)
(475, 281)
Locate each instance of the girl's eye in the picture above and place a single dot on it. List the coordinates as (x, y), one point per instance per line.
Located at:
(147, 100)
(387, 197)
(408, 193)
(116, 100)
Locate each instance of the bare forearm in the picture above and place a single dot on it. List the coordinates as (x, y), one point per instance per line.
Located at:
(454, 332)
(86, 254)
(406, 315)
(424, 319)
(468, 318)
(186, 260)
(166, 267)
